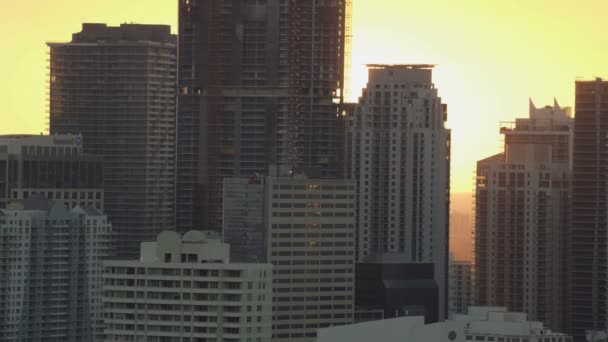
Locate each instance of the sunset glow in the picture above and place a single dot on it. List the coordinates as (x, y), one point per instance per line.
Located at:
(491, 56)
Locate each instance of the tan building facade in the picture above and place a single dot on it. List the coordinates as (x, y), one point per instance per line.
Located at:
(311, 236)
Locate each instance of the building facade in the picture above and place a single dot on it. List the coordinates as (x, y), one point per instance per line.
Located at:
(401, 161)
(522, 217)
(184, 288)
(397, 289)
(588, 268)
(305, 227)
(260, 84)
(311, 237)
(244, 220)
(53, 166)
(116, 86)
(492, 324)
(50, 271)
(460, 287)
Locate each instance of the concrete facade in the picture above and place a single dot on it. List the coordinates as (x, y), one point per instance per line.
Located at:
(397, 289)
(401, 161)
(244, 220)
(50, 278)
(490, 324)
(305, 228)
(311, 237)
(53, 166)
(117, 87)
(260, 83)
(460, 295)
(588, 234)
(184, 288)
(522, 217)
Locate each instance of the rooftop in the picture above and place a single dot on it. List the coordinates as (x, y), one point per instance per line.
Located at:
(400, 66)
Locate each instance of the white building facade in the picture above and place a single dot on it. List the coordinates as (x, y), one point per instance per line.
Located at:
(50, 271)
(460, 286)
(401, 161)
(522, 219)
(486, 324)
(184, 288)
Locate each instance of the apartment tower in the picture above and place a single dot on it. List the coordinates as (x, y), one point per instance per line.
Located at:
(588, 267)
(260, 84)
(51, 266)
(185, 288)
(401, 161)
(521, 217)
(116, 87)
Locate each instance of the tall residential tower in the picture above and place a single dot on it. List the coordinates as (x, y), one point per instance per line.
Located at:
(116, 87)
(401, 161)
(588, 267)
(260, 84)
(522, 216)
(50, 271)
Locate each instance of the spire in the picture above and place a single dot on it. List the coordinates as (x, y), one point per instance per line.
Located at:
(532, 107)
(555, 104)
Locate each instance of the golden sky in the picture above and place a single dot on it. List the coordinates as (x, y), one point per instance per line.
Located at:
(491, 54)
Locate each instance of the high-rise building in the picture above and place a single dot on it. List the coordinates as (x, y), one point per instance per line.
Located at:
(401, 161)
(116, 86)
(522, 216)
(260, 84)
(311, 243)
(50, 271)
(184, 288)
(305, 227)
(460, 286)
(244, 222)
(588, 236)
(53, 166)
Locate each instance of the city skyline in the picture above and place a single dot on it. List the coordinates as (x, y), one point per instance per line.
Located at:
(310, 164)
(503, 60)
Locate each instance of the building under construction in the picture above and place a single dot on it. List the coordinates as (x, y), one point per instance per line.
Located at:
(261, 85)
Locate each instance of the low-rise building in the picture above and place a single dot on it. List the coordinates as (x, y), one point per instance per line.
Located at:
(396, 288)
(50, 165)
(184, 288)
(488, 324)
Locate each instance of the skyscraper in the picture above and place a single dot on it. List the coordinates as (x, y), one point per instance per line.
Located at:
(305, 227)
(50, 271)
(53, 166)
(401, 161)
(116, 87)
(522, 216)
(260, 84)
(588, 267)
(311, 238)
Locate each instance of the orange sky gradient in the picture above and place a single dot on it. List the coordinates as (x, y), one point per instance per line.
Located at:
(492, 55)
